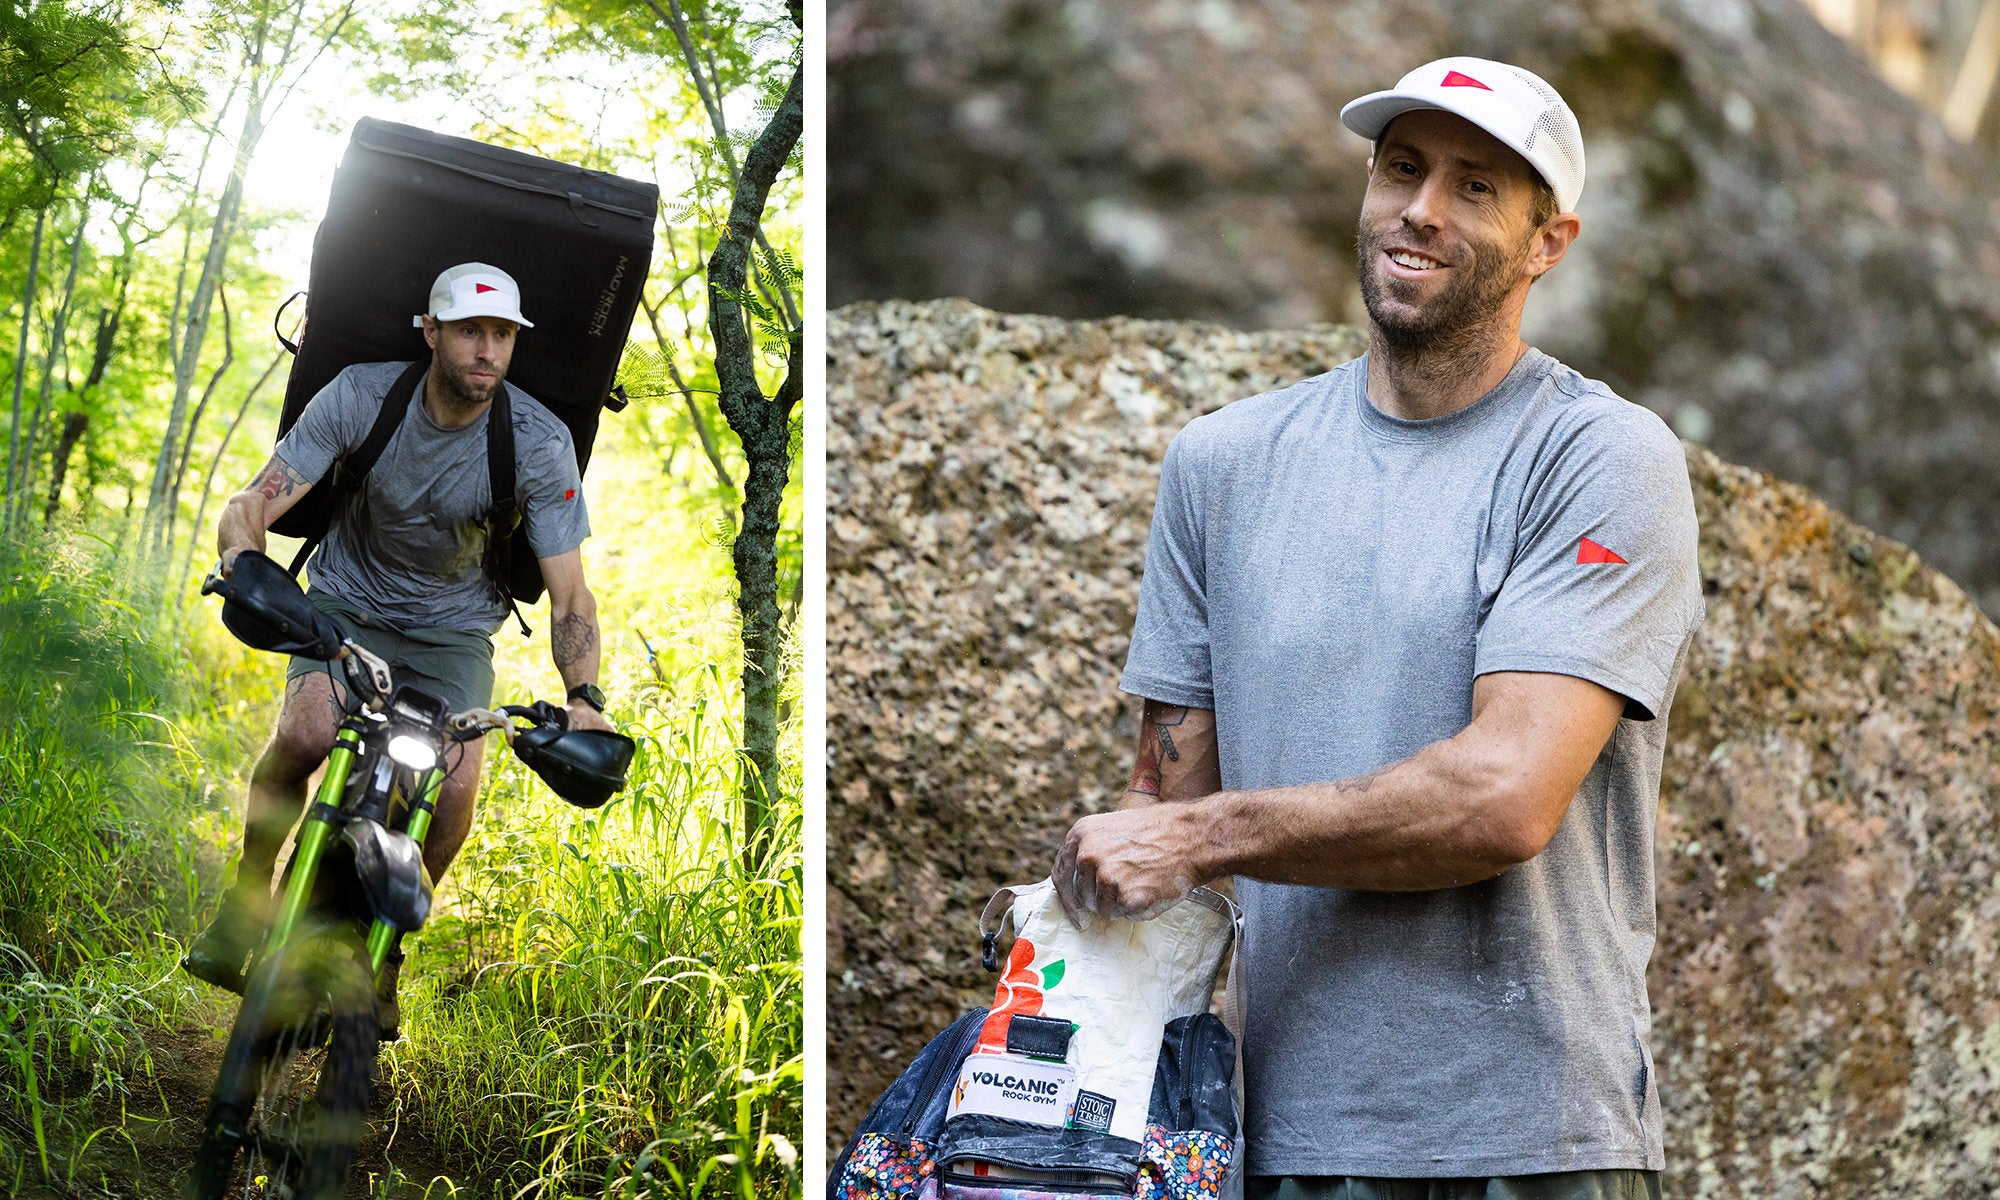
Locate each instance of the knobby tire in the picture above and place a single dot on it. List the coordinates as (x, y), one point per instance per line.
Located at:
(295, 1078)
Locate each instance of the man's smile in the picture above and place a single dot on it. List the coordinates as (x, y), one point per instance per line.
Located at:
(1410, 261)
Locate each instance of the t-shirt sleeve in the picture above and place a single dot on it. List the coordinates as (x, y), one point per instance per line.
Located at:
(334, 421)
(1169, 657)
(551, 489)
(1605, 583)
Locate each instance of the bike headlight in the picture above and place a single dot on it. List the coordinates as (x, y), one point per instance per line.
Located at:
(414, 753)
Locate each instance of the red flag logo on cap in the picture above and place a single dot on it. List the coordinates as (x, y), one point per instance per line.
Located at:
(1457, 79)
(1588, 551)
(480, 289)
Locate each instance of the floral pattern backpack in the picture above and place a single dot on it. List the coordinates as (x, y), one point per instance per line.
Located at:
(1019, 1102)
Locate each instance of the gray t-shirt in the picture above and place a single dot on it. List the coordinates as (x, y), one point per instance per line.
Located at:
(411, 544)
(1330, 580)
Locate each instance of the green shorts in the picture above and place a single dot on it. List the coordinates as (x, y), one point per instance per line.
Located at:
(1563, 1185)
(453, 663)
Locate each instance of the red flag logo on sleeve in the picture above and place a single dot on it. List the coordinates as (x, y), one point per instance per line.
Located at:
(1588, 551)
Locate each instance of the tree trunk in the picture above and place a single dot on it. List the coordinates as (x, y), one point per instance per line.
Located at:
(21, 352)
(74, 426)
(764, 425)
(194, 421)
(260, 76)
(20, 502)
(160, 495)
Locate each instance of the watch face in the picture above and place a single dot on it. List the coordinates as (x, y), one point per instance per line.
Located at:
(589, 694)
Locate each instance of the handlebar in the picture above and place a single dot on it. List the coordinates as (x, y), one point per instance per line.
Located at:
(263, 606)
(478, 722)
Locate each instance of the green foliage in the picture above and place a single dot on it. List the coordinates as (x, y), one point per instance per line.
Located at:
(66, 78)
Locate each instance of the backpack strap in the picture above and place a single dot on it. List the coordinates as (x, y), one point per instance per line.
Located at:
(505, 515)
(353, 467)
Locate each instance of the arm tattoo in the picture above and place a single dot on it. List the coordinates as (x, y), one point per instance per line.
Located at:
(1165, 717)
(278, 479)
(1157, 750)
(573, 640)
(1146, 774)
(1361, 783)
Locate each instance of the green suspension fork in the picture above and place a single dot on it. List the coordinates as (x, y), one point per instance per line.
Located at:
(317, 831)
(382, 935)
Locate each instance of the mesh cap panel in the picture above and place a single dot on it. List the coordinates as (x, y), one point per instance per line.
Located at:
(1555, 143)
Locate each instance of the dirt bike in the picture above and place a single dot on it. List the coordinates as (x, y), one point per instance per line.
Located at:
(291, 1098)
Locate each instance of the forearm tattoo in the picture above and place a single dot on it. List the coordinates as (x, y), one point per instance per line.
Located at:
(278, 479)
(1156, 749)
(1361, 783)
(1164, 718)
(573, 641)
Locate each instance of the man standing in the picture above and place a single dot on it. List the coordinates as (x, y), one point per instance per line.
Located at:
(1407, 637)
(403, 571)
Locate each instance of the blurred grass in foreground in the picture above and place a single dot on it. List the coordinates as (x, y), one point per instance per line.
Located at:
(97, 860)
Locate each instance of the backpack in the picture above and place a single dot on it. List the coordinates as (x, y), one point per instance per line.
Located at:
(406, 204)
(1041, 1095)
(906, 1149)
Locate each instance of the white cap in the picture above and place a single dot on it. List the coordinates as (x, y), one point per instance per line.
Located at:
(1516, 106)
(476, 290)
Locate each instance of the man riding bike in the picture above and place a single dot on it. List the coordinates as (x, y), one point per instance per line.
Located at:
(404, 571)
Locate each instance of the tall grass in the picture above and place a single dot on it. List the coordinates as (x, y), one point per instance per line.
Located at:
(96, 858)
(612, 1001)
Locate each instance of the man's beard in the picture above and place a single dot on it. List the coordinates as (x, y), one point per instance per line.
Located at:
(1456, 317)
(459, 391)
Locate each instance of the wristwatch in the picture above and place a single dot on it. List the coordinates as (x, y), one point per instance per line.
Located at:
(588, 693)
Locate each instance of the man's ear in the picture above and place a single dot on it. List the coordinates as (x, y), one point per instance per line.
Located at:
(430, 331)
(1552, 241)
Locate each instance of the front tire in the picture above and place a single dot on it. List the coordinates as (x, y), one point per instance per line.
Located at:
(291, 1099)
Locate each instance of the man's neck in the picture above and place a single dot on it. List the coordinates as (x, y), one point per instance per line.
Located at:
(447, 411)
(1440, 379)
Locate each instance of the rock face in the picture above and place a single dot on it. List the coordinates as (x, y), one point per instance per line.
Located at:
(1786, 258)
(1826, 985)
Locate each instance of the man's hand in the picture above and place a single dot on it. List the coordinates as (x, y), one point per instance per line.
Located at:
(1134, 863)
(583, 716)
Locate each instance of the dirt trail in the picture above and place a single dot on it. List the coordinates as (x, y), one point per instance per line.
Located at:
(150, 1138)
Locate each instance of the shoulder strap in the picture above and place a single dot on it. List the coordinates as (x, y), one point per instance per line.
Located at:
(505, 516)
(354, 466)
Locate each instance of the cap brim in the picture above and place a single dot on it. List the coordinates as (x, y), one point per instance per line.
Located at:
(475, 310)
(1370, 115)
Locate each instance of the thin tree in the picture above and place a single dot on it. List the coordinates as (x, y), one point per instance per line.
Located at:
(280, 40)
(21, 351)
(762, 423)
(21, 498)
